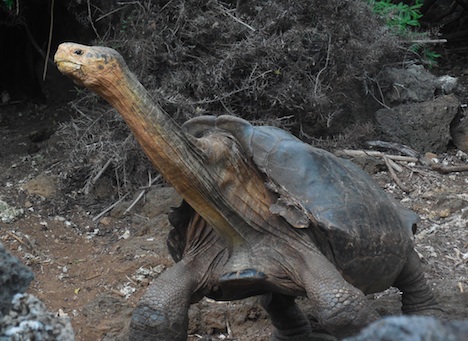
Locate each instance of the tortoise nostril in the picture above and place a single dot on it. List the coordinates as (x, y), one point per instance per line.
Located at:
(78, 52)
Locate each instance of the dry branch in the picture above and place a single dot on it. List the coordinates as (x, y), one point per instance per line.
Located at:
(373, 153)
(449, 169)
(394, 176)
(109, 208)
(150, 183)
(394, 146)
(389, 160)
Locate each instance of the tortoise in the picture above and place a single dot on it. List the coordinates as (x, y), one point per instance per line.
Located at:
(263, 213)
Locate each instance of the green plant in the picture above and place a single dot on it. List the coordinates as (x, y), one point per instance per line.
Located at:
(8, 3)
(401, 17)
(427, 56)
(398, 16)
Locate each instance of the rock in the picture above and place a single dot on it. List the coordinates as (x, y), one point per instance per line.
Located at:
(413, 328)
(14, 278)
(160, 200)
(9, 213)
(460, 134)
(413, 84)
(371, 165)
(424, 126)
(23, 316)
(44, 185)
(30, 320)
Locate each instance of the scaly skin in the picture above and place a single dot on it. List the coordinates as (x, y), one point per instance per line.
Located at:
(232, 246)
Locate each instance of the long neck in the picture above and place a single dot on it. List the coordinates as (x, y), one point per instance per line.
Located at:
(175, 154)
(170, 150)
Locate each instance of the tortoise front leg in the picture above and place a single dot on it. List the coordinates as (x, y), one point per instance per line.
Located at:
(417, 295)
(338, 306)
(289, 321)
(162, 312)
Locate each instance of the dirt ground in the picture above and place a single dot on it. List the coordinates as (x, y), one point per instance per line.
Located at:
(95, 269)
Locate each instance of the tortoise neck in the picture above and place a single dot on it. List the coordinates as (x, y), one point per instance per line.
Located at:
(175, 154)
(166, 145)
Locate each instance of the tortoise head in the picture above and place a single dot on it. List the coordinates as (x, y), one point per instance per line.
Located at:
(95, 67)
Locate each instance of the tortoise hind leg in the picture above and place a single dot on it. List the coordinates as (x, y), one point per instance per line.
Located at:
(417, 295)
(289, 321)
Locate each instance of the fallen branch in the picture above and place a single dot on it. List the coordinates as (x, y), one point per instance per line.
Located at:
(109, 208)
(429, 41)
(389, 160)
(150, 183)
(103, 169)
(373, 153)
(395, 146)
(448, 169)
(394, 176)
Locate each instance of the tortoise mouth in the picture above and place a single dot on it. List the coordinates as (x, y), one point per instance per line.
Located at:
(66, 65)
(70, 69)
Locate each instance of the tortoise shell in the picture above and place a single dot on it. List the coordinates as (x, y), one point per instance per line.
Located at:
(349, 216)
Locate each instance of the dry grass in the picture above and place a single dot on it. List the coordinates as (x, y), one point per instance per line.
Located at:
(302, 65)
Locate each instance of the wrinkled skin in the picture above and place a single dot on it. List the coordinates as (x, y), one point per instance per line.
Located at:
(263, 214)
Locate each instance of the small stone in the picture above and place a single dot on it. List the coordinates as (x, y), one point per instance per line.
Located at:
(105, 221)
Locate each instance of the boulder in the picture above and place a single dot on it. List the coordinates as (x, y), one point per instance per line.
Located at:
(14, 278)
(29, 319)
(23, 316)
(414, 84)
(413, 328)
(423, 126)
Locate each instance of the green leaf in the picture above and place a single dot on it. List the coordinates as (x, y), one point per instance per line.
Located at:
(8, 3)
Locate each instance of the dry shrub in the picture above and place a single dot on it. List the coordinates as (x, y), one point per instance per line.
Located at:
(261, 59)
(302, 65)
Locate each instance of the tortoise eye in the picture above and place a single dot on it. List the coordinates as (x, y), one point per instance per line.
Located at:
(78, 52)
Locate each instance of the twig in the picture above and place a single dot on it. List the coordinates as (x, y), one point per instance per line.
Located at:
(93, 276)
(51, 28)
(389, 160)
(117, 293)
(131, 280)
(381, 101)
(103, 169)
(394, 165)
(449, 169)
(109, 208)
(395, 146)
(14, 236)
(111, 12)
(394, 176)
(429, 41)
(150, 183)
(327, 60)
(374, 153)
(91, 20)
(225, 11)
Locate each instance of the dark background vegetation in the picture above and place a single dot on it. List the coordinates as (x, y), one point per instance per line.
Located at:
(311, 67)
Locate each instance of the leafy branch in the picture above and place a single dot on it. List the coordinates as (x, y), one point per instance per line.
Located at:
(401, 17)
(398, 16)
